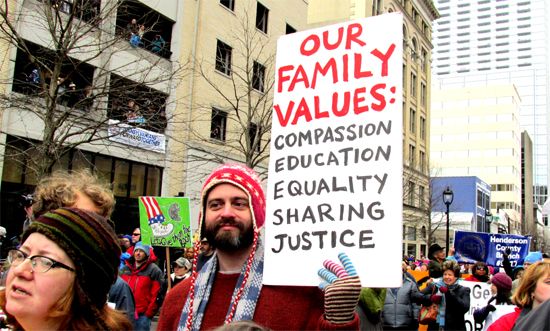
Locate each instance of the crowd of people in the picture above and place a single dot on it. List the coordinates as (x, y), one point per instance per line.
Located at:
(82, 276)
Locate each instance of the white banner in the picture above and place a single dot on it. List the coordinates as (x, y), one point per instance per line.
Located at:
(129, 135)
(335, 172)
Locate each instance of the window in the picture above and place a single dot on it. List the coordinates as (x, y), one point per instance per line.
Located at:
(421, 161)
(218, 124)
(412, 152)
(411, 193)
(421, 197)
(413, 85)
(253, 132)
(412, 120)
(262, 14)
(422, 128)
(289, 29)
(424, 60)
(223, 58)
(229, 4)
(423, 94)
(258, 77)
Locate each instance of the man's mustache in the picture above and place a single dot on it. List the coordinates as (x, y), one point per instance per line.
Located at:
(230, 222)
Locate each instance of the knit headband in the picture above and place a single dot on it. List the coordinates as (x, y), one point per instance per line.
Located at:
(89, 241)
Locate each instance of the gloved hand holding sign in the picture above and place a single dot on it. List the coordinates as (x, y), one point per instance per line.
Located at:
(342, 288)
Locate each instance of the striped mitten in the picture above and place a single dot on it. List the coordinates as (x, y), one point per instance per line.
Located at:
(342, 287)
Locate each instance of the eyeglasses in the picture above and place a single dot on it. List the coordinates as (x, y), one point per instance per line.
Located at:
(480, 268)
(39, 263)
(136, 234)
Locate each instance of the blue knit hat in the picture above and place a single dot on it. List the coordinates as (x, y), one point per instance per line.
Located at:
(143, 247)
(533, 257)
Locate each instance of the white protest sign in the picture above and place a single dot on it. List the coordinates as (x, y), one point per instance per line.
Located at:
(480, 293)
(335, 171)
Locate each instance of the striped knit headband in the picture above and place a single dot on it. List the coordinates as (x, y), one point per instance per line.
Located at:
(89, 241)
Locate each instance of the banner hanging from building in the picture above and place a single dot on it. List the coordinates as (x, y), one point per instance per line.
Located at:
(336, 155)
(130, 135)
(490, 247)
(165, 221)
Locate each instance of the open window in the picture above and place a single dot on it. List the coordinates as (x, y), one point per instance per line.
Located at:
(137, 104)
(145, 28)
(74, 82)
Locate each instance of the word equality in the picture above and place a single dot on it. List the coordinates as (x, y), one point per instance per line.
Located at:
(333, 184)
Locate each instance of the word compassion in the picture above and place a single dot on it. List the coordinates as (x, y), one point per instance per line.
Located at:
(344, 68)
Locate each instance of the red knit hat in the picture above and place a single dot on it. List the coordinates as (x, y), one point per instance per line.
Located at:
(244, 178)
(502, 281)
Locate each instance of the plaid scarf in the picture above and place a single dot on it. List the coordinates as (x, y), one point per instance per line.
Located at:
(203, 287)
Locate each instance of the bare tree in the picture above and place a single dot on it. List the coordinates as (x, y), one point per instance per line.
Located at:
(78, 73)
(241, 83)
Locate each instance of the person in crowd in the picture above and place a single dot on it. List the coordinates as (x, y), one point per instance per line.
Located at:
(401, 306)
(145, 279)
(136, 236)
(207, 251)
(453, 299)
(121, 298)
(436, 254)
(532, 257)
(533, 290)
(229, 286)
(73, 189)
(188, 253)
(501, 285)
(480, 273)
(182, 270)
(26, 204)
(158, 44)
(73, 259)
(538, 321)
(369, 308)
(125, 242)
(132, 28)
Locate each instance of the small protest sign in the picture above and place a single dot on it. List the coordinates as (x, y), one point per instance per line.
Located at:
(490, 247)
(335, 172)
(165, 221)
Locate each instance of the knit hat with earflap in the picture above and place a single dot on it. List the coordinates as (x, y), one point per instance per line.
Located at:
(244, 178)
(502, 281)
(89, 241)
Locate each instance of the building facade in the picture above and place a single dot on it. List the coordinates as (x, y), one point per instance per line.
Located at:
(88, 87)
(476, 132)
(485, 42)
(469, 210)
(417, 46)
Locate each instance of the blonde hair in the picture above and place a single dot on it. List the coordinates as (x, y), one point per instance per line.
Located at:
(60, 190)
(523, 297)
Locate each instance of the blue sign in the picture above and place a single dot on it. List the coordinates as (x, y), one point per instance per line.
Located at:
(471, 247)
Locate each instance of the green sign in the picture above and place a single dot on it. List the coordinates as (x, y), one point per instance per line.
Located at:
(165, 221)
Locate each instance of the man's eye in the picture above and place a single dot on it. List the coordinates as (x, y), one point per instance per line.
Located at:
(214, 205)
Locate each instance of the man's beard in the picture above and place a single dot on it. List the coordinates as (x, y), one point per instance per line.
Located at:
(227, 241)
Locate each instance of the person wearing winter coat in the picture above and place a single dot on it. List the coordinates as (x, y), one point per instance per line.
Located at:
(533, 290)
(144, 278)
(480, 273)
(453, 299)
(401, 306)
(501, 285)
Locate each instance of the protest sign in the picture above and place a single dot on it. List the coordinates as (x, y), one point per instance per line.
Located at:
(336, 156)
(490, 247)
(480, 293)
(165, 221)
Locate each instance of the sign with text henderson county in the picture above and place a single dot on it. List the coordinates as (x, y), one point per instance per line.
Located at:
(335, 171)
(490, 247)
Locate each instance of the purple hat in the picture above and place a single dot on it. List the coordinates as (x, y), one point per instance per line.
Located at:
(502, 282)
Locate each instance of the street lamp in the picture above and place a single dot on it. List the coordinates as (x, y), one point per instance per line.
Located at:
(448, 197)
(488, 220)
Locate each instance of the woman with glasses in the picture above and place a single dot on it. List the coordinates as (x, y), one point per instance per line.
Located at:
(480, 273)
(60, 275)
